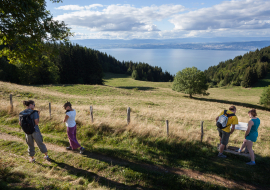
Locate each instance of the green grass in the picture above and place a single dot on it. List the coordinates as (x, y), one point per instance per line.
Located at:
(126, 82)
(263, 82)
(85, 170)
(132, 148)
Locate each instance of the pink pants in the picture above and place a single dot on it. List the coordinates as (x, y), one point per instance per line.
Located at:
(71, 131)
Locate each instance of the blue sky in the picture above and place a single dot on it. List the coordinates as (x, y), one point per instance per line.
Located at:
(160, 19)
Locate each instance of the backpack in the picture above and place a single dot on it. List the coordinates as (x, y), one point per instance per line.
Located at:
(223, 119)
(27, 123)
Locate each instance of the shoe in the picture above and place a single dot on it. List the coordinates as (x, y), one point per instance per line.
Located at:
(47, 158)
(251, 163)
(69, 148)
(222, 155)
(32, 160)
(82, 150)
(238, 150)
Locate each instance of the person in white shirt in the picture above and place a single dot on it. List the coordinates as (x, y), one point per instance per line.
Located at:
(71, 128)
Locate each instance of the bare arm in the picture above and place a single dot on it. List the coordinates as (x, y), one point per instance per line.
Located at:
(217, 118)
(250, 124)
(232, 129)
(66, 118)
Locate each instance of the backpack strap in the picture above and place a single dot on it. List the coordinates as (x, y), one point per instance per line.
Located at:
(32, 112)
(228, 115)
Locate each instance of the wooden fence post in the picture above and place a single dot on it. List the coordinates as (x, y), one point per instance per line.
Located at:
(202, 130)
(167, 126)
(11, 103)
(50, 110)
(128, 115)
(91, 114)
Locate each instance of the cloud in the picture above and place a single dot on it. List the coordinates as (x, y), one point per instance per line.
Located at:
(118, 17)
(77, 7)
(249, 18)
(245, 14)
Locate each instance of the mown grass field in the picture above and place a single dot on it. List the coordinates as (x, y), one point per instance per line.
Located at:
(138, 156)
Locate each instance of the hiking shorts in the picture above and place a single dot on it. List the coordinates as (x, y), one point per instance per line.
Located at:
(224, 136)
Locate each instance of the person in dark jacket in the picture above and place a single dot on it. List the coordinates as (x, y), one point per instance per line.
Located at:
(36, 135)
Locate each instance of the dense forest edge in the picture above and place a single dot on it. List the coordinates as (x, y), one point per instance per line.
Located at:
(74, 64)
(242, 71)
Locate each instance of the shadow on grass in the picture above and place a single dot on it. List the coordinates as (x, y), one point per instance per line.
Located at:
(7, 186)
(263, 82)
(94, 177)
(144, 88)
(200, 157)
(151, 176)
(114, 76)
(232, 103)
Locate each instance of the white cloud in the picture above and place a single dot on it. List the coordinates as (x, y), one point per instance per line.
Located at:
(119, 17)
(70, 7)
(249, 18)
(77, 7)
(93, 6)
(245, 14)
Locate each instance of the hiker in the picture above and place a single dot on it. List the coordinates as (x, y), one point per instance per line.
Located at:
(71, 128)
(225, 119)
(28, 120)
(251, 135)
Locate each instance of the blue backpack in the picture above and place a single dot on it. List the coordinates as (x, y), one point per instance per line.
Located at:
(223, 119)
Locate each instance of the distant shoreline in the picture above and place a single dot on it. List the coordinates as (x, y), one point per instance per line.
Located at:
(168, 44)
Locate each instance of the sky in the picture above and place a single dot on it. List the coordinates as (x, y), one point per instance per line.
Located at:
(163, 19)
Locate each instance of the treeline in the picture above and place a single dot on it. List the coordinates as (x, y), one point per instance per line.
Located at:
(242, 70)
(74, 64)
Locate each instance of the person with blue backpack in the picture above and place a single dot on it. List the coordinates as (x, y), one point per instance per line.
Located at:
(251, 135)
(29, 120)
(224, 121)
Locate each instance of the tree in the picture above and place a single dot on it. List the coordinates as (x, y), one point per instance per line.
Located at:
(190, 81)
(265, 97)
(25, 26)
(135, 75)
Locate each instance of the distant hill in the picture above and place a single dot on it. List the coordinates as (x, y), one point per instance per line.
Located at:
(242, 70)
(248, 44)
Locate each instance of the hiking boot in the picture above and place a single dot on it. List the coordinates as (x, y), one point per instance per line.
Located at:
(251, 163)
(82, 150)
(32, 160)
(69, 148)
(47, 158)
(220, 155)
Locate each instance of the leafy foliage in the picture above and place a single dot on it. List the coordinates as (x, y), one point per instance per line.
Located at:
(190, 81)
(25, 26)
(265, 97)
(242, 70)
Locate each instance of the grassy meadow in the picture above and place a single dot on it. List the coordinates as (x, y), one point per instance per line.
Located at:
(137, 156)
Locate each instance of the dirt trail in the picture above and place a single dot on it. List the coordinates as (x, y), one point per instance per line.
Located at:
(210, 178)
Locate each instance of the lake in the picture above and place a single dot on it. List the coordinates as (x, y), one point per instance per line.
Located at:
(174, 60)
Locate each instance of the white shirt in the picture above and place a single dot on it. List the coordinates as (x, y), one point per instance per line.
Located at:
(71, 120)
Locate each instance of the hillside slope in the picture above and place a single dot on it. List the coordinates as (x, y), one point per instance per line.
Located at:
(143, 142)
